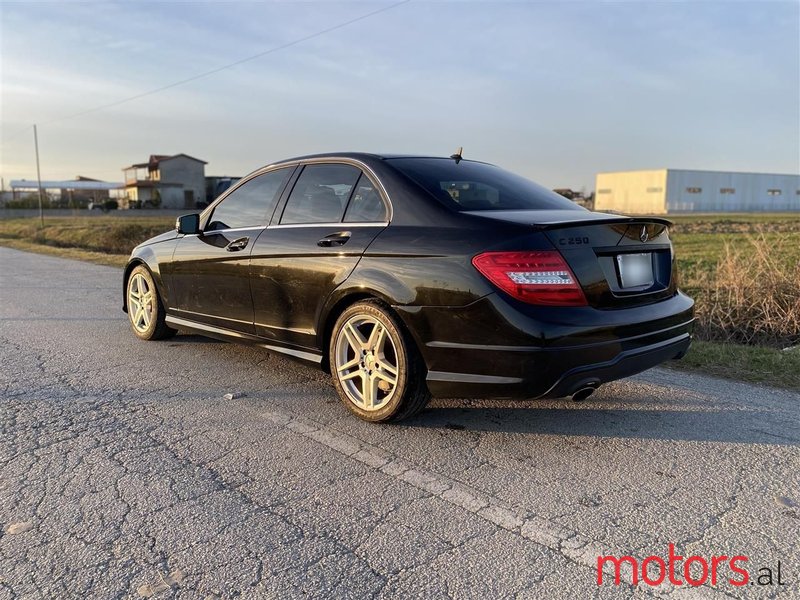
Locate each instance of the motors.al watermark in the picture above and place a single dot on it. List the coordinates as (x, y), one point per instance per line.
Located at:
(693, 571)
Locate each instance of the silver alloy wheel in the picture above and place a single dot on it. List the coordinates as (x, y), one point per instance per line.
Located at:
(141, 303)
(365, 362)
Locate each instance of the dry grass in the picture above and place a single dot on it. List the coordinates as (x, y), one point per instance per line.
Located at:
(751, 296)
(100, 258)
(105, 234)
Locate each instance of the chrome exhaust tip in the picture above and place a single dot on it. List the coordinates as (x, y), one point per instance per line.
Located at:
(583, 393)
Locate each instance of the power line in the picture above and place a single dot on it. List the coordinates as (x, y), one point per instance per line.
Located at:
(210, 72)
(227, 66)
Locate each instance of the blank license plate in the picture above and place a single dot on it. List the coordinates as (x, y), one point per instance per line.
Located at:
(635, 270)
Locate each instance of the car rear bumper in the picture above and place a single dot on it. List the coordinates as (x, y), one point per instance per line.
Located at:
(492, 349)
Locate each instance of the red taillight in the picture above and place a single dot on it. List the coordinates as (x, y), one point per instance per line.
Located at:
(541, 277)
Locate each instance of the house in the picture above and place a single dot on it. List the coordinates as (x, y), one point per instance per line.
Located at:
(176, 181)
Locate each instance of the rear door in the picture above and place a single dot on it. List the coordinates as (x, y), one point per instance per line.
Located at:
(209, 278)
(332, 214)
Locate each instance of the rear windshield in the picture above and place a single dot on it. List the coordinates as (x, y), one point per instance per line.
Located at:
(470, 185)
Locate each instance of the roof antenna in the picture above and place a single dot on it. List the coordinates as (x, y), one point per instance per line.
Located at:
(457, 156)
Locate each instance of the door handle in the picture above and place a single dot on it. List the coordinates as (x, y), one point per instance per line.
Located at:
(335, 239)
(237, 245)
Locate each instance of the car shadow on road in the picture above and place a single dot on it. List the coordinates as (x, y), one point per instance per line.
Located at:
(733, 426)
(190, 338)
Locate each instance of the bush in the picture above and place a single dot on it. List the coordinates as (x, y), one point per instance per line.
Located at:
(752, 296)
(30, 200)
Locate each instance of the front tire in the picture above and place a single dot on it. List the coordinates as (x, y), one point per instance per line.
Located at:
(375, 366)
(146, 312)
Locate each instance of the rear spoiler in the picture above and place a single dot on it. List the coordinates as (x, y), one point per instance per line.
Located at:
(551, 219)
(611, 220)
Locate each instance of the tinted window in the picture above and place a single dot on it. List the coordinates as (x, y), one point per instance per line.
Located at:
(250, 205)
(320, 194)
(470, 185)
(366, 205)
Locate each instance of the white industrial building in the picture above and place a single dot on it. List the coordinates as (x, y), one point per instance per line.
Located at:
(665, 191)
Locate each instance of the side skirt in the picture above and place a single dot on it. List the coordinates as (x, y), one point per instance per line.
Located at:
(229, 335)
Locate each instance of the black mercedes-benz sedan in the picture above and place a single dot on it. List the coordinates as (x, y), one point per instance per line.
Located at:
(411, 276)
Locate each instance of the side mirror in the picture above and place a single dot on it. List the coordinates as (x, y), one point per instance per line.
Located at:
(188, 224)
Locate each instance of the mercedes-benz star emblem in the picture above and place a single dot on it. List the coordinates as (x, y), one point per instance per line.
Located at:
(643, 235)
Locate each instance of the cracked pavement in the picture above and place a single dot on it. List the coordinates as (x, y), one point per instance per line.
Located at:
(125, 474)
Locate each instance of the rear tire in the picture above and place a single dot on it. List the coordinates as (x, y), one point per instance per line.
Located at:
(146, 312)
(376, 368)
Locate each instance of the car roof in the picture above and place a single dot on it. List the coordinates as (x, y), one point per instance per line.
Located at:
(363, 156)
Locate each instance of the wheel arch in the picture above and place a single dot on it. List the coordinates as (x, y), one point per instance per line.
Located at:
(132, 264)
(414, 393)
(155, 274)
(363, 284)
(332, 314)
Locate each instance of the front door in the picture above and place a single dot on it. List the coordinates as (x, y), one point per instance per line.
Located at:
(209, 280)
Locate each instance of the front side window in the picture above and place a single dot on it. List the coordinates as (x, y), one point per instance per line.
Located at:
(250, 205)
(366, 205)
(467, 186)
(320, 194)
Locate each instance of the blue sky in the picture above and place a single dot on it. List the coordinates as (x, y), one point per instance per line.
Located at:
(556, 91)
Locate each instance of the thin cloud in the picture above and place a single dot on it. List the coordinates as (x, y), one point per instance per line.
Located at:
(557, 91)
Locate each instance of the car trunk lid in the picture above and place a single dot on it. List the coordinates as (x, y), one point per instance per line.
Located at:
(619, 261)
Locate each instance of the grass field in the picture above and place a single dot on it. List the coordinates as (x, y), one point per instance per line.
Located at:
(743, 271)
(701, 240)
(754, 364)
(107, 234)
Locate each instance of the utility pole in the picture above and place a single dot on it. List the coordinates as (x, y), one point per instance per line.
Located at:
(38, 174)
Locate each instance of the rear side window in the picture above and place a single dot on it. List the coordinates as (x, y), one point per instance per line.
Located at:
(467, 186)
(250, 205)
(366, 205)
(320, 194)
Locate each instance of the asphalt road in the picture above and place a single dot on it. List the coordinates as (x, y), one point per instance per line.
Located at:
(125, 474)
